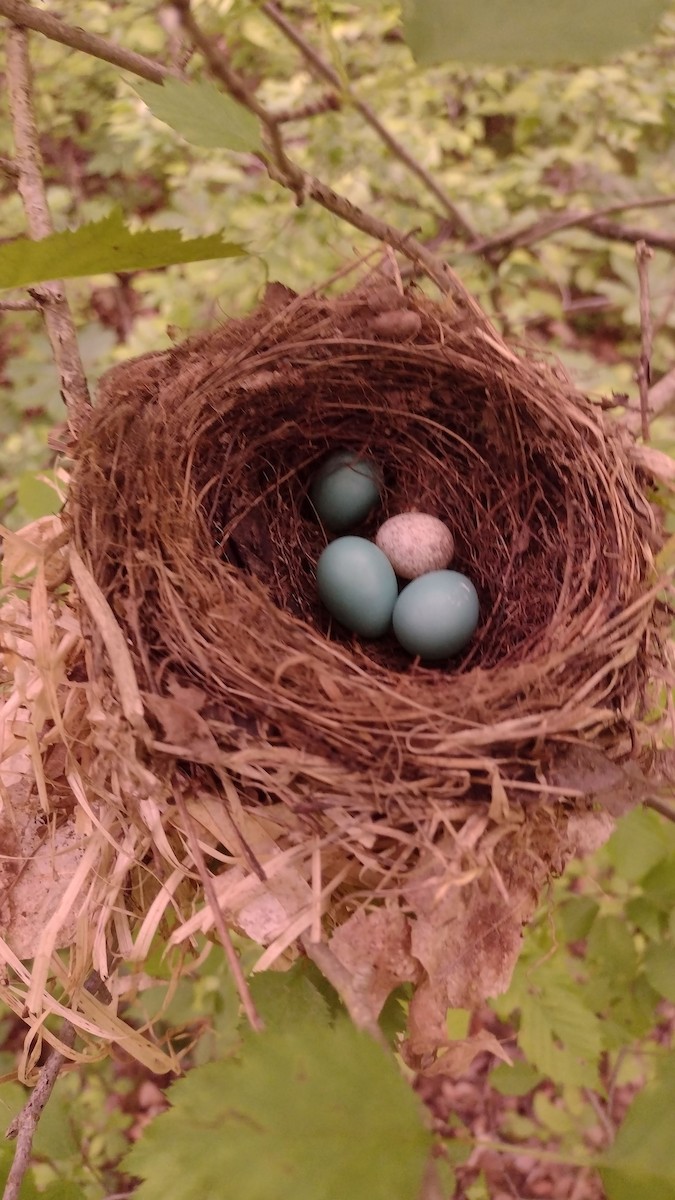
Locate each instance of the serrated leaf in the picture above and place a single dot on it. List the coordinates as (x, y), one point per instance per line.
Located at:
(576, 917)
(660, 969)
(611, 944)
(101, 247)
(307, 1114)
(286, 998)
(203, 115)
(637, 844)
(517, 1080)
(530, 32)
(659, 885)
(560, 1036)
(640, 1162)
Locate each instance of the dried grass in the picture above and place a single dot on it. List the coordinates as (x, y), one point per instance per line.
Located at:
(410, 815)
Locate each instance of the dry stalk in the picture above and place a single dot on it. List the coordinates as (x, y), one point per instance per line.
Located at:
(51, 296)
(252, 1015)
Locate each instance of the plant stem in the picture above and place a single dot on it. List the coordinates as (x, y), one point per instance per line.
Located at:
(25, 15)
(30, 182)
(458, 221)
(284, 171)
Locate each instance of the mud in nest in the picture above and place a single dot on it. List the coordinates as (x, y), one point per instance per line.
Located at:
(189, 505)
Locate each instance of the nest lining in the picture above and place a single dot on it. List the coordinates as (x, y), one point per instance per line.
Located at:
(292, 739)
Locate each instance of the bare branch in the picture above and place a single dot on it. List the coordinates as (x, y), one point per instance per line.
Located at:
(254, 1018)
(20, 306)
(10, 168)
(459, 222)
(24, 1125)
(527, 235)
(331, 102)
(614, 231)
(642, 257)
(282, 170)
(51, 296)
(661, 395)
(57, 30)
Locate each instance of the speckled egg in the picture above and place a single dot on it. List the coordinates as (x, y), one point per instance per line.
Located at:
(436, 615)
(358, 585)
(344, 490)
(415, 543)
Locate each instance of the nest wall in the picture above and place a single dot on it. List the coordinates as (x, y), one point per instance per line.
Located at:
(420, 808)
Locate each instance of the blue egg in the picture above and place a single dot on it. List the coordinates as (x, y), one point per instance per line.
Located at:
(358, 585)
(436, 615)
(344, 490)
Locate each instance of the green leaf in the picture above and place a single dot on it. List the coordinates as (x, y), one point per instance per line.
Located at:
(286, 998)
(659, 884)
(309, 1114)
(517, 1080)
(640, 1162)
(534, 32)
(660, 969)
(36, 497)
(101, 247)
(203, 115)
(576, 916)
(560, 1036)
(637, 844)
(611, 944)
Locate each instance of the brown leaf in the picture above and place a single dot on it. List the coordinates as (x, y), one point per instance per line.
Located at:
(587, 771)
(186, 734)
(375, 949)
(456, 1058)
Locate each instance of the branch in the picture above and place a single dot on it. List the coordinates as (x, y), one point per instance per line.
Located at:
(642, 257)
(527, 235)
(660, 396)
(282, 170)
(459, 222)
(20, 306)
(57, 30)
(51, 296)
(24, 1125)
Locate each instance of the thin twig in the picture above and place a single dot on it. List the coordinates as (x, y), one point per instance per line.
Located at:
(51, 296)
(252, 1014)
(330, 102)
(304, 186)
(10, 168)
(661, 395)
(24, 1125)
(665, 810)
(57, 30)
(20, 306)
(642, 257)
(460, 223)
(527, 235)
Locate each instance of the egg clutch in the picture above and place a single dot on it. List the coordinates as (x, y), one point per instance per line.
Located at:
(436, 612)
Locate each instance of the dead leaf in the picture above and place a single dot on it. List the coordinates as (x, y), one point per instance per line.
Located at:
(36, 893)
(587, 771)
(375, 949)
(186, 733)
(456, 1058)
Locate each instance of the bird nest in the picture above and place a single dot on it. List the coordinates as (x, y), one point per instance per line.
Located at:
(393, 820)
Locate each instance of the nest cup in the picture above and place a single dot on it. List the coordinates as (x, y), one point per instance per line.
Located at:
(421, 808)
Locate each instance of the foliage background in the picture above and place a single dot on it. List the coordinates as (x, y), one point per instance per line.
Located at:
(590, 1015)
